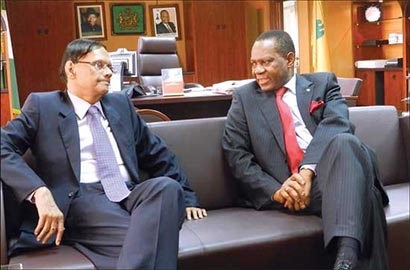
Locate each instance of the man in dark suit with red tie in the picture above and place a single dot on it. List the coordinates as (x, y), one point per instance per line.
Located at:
(290, 144)
(86, 189)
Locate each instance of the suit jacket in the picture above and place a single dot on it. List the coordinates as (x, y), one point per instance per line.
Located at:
(253, 139)
(48, 127)
(86, 27)
(162, 29)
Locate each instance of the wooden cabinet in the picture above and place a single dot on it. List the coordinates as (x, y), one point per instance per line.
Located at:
(371, 41)
(367, 95)
(393, 85)
(380, 87)
(216, 42)
(40, 31)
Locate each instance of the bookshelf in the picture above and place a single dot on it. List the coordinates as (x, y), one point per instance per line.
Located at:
(384, 38)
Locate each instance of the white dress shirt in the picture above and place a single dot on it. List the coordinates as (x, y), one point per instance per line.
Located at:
(303, 135)
(88, 172)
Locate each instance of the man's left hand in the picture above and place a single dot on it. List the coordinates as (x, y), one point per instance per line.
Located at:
(195, 213)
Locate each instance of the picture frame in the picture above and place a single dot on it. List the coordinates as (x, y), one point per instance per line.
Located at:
(90, 20)
(127, 19)
(163, 13)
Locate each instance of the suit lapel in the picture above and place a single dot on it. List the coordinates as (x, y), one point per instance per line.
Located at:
(267, 106)
(304, 93)
(69, 133)
(122, 137)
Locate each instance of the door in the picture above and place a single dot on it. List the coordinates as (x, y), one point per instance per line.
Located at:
(219, 41)
(40, 31)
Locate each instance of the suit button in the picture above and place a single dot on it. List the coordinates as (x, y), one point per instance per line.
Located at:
(71, 194)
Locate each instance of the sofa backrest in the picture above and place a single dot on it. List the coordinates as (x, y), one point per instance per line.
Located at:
(197, 144)
(378, 127)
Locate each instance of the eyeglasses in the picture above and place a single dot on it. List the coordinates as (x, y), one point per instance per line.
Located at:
(98, 65)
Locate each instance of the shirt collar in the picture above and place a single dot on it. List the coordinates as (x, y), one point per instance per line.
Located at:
(291, 84)
(81, 106)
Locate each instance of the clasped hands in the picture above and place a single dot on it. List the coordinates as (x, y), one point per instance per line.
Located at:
(294, 193)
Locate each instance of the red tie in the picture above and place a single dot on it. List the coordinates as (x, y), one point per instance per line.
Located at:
(293, 152)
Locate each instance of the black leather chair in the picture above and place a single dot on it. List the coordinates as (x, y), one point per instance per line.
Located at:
(349, 87)
(150, 115)
(154, 54)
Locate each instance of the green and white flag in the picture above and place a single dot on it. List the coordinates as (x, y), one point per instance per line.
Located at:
(320, 50)
(11, 80)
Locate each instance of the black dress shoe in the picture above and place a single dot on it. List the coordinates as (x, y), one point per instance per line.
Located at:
(343, 264)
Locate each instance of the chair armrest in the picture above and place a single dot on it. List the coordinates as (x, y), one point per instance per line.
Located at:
(193, 85)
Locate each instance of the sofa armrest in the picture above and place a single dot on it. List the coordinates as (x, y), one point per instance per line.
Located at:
(3, 238)
(405, 131)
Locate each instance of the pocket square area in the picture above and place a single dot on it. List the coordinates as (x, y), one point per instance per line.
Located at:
(316, 104)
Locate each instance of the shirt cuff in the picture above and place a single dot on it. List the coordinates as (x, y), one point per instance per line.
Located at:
(31, 198)
(311, 167)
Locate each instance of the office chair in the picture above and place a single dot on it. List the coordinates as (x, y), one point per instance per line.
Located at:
(154, 54)
(349, 88)
(150, 115)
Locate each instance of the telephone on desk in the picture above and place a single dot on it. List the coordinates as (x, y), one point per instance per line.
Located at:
(135, 90)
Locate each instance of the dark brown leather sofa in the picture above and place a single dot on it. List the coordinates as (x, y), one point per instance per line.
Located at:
(240, 238)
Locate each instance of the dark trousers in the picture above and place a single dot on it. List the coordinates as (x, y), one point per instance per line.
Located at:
(141, 232)
(348, 196)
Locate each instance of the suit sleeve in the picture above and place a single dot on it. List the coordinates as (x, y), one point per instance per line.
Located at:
(16, 137)
(333, 119)
(158, 160)
(255, 182)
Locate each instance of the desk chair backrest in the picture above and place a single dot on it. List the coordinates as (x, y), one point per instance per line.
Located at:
(349, 86)
(154, 54)
(150, 115)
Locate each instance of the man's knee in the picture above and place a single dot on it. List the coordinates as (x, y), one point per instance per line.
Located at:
(167, 185)
(344, 139)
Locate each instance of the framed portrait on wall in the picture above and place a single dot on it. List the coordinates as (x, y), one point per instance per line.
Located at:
(127, 19)
(90, 20)
(165, 21)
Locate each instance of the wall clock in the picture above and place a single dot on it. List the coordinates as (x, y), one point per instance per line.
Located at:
(372, 13)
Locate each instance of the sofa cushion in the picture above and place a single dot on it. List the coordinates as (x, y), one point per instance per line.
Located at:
(62, 257)
(244, 237)
(398, 220)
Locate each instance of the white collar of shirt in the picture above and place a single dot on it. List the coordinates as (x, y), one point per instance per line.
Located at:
(291, 84)
(81, 106)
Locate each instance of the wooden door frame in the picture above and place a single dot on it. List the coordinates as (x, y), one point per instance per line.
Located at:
(276, 13)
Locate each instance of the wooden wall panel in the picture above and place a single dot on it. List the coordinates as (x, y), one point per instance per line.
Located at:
(5, 108)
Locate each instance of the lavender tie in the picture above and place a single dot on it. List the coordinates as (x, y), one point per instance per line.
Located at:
(108, 171)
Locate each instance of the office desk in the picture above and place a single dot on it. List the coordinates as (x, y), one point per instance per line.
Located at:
(191, 105)
(196, 105)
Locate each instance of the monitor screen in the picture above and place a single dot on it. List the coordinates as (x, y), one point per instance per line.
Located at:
(128, 57)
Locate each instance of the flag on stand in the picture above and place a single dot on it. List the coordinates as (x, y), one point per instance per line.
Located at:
(320, 50)
(10, 74)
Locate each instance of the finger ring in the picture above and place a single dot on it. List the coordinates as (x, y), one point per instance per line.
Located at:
(52, 228)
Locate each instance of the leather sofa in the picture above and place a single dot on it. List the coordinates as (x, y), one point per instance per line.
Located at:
(242, 238)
